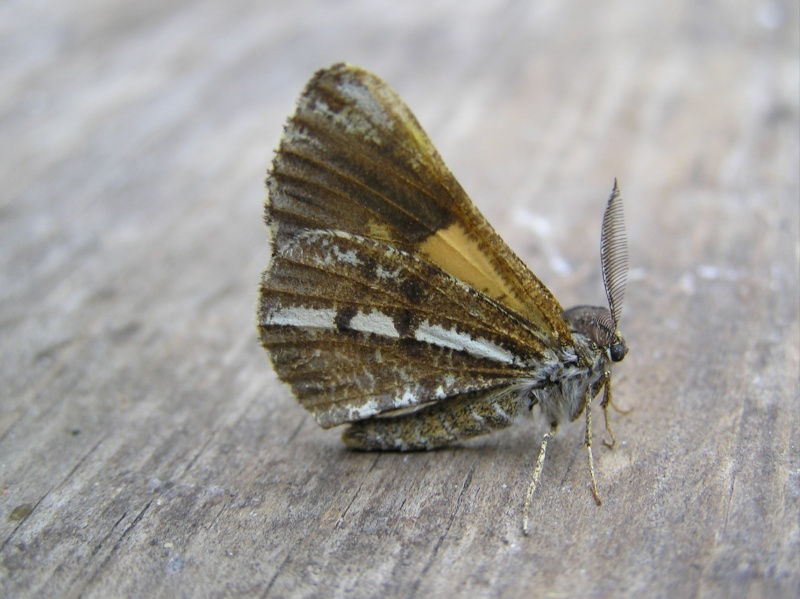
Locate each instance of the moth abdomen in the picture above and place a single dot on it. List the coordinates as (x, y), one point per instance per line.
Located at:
(439, 424)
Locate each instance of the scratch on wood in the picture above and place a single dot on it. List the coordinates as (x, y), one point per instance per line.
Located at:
(197, 454)
(101, 567)
(730, 501)
(67, 477)
(278, 571)
(297, 430)
(340, 520)
(99, 545)
(440, 540)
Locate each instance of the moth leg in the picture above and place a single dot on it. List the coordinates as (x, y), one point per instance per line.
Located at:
(589, 451)
(607, 402)
(535, 479)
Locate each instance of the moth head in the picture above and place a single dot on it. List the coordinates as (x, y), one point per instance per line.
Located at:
(601, 325)
(598, 325)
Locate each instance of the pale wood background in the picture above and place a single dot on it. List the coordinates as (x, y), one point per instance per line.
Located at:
(146, 448)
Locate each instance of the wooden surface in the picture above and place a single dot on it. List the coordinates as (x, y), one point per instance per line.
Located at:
(146, 447)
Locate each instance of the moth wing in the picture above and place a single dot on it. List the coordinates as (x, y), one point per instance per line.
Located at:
(358, 328)
(354, 158)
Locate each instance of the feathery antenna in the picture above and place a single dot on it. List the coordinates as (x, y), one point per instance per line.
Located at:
(614, 254)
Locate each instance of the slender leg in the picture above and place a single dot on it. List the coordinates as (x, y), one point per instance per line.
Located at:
(535, 480)
(608, 402)
(605, 404)
(589, 451)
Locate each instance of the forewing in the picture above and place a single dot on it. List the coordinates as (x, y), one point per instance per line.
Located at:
(353, 158)
(358, 327)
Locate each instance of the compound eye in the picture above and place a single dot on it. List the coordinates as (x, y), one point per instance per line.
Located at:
(618, 351)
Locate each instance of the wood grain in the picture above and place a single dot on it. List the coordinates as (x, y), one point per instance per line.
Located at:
(146, 447)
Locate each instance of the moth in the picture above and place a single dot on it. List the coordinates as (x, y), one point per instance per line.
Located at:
(390, 304)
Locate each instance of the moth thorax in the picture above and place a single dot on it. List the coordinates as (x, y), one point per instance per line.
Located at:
(597, 324)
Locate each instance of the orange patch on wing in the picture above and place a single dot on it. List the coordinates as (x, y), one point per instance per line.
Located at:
(456, 252)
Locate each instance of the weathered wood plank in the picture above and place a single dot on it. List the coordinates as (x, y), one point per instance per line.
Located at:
(146, 448)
